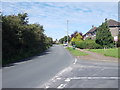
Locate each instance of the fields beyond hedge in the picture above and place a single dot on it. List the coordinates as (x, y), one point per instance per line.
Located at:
(113, 52)
(76, 52)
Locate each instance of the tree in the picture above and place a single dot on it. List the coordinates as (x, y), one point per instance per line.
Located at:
(20, 39)
(76, 37)
(48, 41)
(103, 36)
(23, 17)
(64, 39)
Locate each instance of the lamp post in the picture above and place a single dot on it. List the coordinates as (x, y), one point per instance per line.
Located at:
(67, 31)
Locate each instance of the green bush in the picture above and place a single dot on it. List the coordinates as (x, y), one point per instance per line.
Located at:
(88, 44)
(72, 43)
(21, 39)
(118, 44)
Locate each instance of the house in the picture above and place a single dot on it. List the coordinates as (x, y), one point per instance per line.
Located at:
(113, 25)
(91, 33)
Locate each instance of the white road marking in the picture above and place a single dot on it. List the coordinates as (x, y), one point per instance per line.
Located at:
(64, 71)
(58, 78)
(75, 61)
(85, 66)
(61, 86)
(90, 78)
(67, 80)
(47, 87)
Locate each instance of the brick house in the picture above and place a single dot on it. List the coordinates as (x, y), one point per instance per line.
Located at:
(113, 25)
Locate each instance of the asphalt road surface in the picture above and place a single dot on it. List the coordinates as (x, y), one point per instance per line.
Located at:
(86, 74)
(56, 68)
(37, 70)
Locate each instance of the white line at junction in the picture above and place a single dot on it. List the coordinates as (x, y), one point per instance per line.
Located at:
(75, 61)
(90, 78)
(61, 86)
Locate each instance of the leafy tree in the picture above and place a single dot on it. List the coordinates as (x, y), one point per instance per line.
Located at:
(10, 28)
(64, 39)
(23, 17)
(75, 34)
(76, 37)
(48, 41)
(103, 36)
(20, 39)
(73, 40)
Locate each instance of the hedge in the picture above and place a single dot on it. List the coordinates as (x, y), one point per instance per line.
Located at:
(88, 44)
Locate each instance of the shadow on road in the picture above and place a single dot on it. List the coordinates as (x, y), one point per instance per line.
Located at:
(29, 58)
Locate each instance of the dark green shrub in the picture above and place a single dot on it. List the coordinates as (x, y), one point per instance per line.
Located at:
(21, 39)
(88, 44)
(72, 43)
(118, 44)
(104, 37)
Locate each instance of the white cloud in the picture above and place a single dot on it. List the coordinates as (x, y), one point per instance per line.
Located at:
(53, 16)
(60, 0)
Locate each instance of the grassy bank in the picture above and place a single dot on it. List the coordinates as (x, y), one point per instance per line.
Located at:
(76, 52)
(113, 52)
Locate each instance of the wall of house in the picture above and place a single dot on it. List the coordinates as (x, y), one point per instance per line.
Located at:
(114, 31)
(90, 35)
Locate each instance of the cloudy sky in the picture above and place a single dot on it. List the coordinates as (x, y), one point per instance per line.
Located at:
(53, 16)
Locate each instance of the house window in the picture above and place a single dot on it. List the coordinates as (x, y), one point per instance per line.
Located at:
(116, 38)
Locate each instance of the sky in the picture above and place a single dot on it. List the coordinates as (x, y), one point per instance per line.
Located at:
(54, 15)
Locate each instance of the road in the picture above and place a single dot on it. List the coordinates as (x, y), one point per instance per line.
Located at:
(37, 70)
(86, 74)
(56, 68)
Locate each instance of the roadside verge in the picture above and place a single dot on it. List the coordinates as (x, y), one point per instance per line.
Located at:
(88, 55)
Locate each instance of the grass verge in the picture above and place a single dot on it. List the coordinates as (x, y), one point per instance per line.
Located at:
(113, 52)
(76, 52)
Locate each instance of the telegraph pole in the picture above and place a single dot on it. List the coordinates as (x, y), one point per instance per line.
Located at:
(67, 31)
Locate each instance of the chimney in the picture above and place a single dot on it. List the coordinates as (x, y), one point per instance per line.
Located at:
(92, 26)
(105, 19)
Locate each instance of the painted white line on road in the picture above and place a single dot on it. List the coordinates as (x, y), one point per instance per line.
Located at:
(95, 66)
(67, 80)
(47, 87)
(61, 86)
(58, 78)
(75, 61)
(90, 78)
(64, 71)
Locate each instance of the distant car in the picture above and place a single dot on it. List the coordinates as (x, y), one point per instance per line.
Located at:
(65, 44)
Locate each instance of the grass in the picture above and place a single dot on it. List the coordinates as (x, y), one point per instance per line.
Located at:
(76, 52)
(113, 52)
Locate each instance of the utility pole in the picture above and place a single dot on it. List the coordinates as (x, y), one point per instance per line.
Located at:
(67, 31)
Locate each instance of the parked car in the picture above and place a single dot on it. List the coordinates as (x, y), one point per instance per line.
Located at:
(65, 44)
